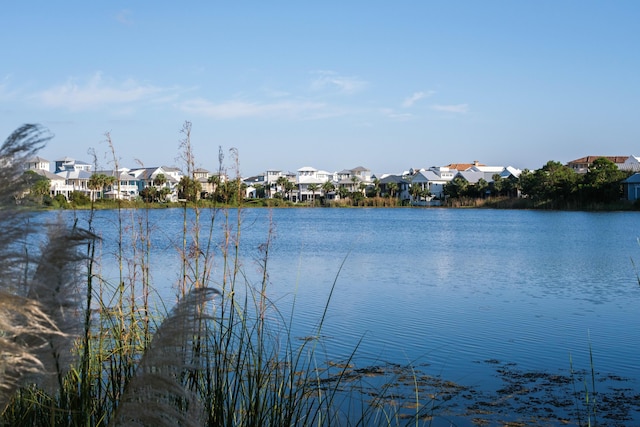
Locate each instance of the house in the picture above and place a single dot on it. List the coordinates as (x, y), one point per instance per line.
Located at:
(147, 177)
(631, 164)
(74, 180)
(353, 180)
(254, 186)
(69, 164)
(631, 187)
(124, 187)
(308, 176)
(582, 164)
(401, 191)
(433, 180)
(56, 183)
(38, 163)
(463, 166)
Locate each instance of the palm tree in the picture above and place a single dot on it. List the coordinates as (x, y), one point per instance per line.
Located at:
(313, 188)
(288, 188)
(376, 186)
(281, 184)
(328, 187)
(96, 182)
(188, 189)
(416, 192)
(363, 187)
(159, 180)
(354, 181)
(216, 181)
(392, 187)
(109, 180)
(343, 192)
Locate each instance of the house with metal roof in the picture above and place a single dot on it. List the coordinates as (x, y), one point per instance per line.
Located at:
(631, 187)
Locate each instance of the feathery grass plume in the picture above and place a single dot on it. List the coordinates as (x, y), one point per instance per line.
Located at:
(55, 287)
(19, 316)
(156, 395)
(28, 316)
(22, 144)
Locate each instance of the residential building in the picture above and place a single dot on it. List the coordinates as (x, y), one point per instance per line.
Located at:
(582, 164)
(631, 187)
(69, 164)
(401, 185)
(309, 176)
(38, 163)
(631, 164)
(433, 180)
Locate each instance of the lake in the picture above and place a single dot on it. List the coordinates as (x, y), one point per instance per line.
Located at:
(499, 301)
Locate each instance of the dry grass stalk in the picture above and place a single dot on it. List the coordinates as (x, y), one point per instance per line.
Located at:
(157, 395)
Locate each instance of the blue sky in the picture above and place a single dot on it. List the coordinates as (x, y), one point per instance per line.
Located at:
(331, 84)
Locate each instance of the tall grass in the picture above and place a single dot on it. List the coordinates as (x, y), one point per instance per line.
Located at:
(79, 348)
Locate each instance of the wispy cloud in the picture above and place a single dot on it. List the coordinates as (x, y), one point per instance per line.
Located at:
(96, 93)
(415, 97)
(125, 17)
(454, 108)
(241, 109)
(330, 80)
(393, 115)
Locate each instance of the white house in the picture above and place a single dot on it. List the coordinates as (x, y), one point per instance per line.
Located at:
(434, 180)
(69, 164)
(632, 163)
(38, 163)
(307, 176)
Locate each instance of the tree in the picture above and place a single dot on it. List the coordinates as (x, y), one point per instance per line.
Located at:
(376, 186)
(288, 188)
(188, 189)
(457, 187)
(159, 180)
(481, 187)
(497, 186)
(216, 181)
(603, 182)
(343, 192)
(313, 188)
(260, 191)
(354, 181)
(554, 183)
(328, 187)
(392, 188)
(363, 187)
(38, 186)
(98, 182)
(415, 191)
(149, 194)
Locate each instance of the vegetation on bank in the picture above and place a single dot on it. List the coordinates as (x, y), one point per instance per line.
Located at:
(553, 186)
(81, 349)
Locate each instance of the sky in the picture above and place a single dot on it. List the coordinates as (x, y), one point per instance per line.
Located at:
(329, 84)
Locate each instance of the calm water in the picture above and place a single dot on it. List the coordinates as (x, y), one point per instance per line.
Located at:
(451, 288)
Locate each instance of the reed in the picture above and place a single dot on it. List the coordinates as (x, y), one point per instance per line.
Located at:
(81, 349)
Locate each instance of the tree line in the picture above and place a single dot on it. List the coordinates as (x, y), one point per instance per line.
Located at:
(554, 186)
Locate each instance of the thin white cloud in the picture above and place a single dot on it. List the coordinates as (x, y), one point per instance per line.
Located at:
(415, 97)
(330, 80)
(393, 115)
(241, 109)
(455, 108)
(96, 93)
(125, 16)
